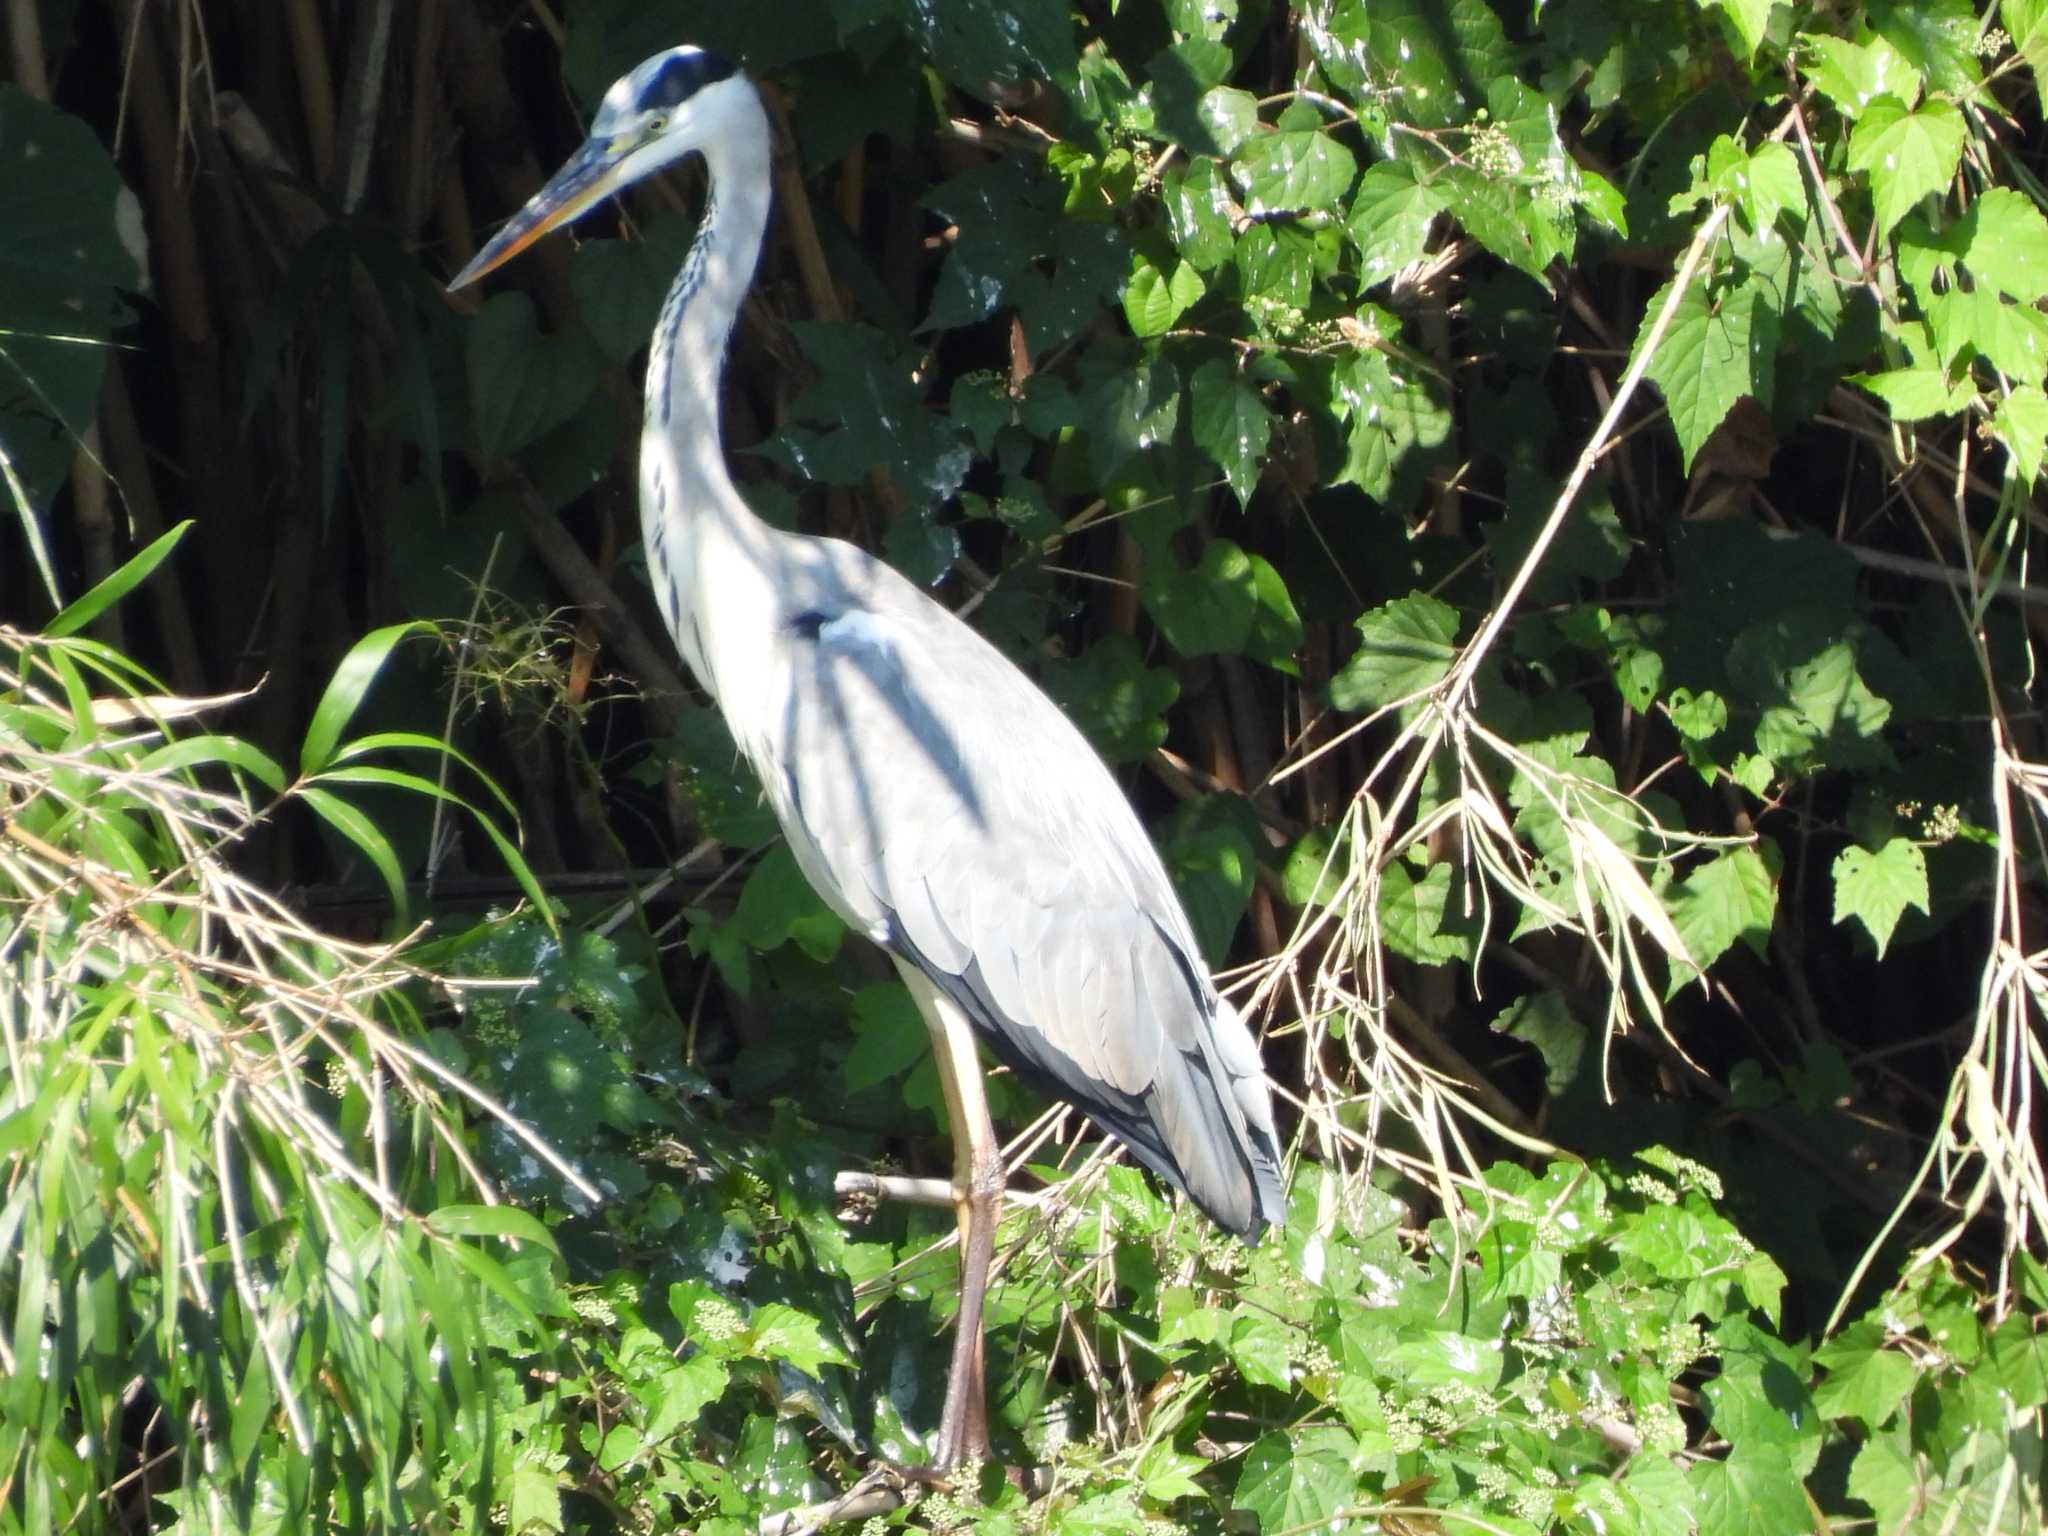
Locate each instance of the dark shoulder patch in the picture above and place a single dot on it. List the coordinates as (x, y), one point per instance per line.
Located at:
(683, 76)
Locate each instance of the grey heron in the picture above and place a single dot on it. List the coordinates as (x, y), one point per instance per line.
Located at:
(940, 803)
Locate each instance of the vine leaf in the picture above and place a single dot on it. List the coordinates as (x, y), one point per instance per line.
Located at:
(1404, 647)
(1907, 154)
(1875, 888)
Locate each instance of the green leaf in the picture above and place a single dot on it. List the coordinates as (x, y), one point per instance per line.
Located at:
(2022, 426)
(1877, 887)
(983, 44)
(1906, 154)
(1864, 1380)
(1119, 702)
(1293, 172)
(889, 1035)
(1297, 1479)
(1854, 74)
(1404, 648)
(1387, 417)
(345, 690)
(1704, 363)
(1206, 610)
(110, 590)
(1153, 302)
(2012, 337)
(1390, 219)
(361, 831)
(685, 1393)
(1258, 1347)
(867, 410)
(1752, 1493)
(1545, 1020)
(780, 1332)
(1749, 18)
(1211, 848)
(491, 1221)
(522, 384)
(1732, 896)
(1915, 394)
(61, 263)
(620, 285)
(193, 751)
(777, 904)
(1420, 918)
(2006, 244)
(1231, 423)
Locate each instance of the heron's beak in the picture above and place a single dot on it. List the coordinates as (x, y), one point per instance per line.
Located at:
(590, 176)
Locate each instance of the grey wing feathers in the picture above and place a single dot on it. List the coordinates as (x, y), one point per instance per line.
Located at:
(946, 807)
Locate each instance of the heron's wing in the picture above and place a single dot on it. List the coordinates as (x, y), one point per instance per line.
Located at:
(945, 806)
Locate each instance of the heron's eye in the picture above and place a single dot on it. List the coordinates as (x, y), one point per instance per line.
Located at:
(657, 125)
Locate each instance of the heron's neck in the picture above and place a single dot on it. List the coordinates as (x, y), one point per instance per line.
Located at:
(685, 489)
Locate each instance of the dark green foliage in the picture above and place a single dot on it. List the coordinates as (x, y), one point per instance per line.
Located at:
(1590, 795)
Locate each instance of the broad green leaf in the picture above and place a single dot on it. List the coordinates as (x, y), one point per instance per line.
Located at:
(620, 285)
(1907, 154)
(1437, 52)
(1119, 702)
(1864, 1380)
(345, 690)
(1752, 1493)
(1388, 414)
(1424, 919)
(889, 1035)
(1915, 394)
(1404, 648)
(1205, 610)
(1312, 874)
(1937, 37)
(780, 1332)
(1762, 184)
(1390, 219)
(777, 904)
(1732, 896)
(1153, 302)
(1749, 18)
(980, 45)
(1211, 847)
(1704, 362)
(2006, 244)
(1877, 887)
(2026, 21)
(1291, 172)
(2013, 338)
(522, 384)
(1258, 1347)
(1853, 75)
(2022, 426)
(685, 1393)
(1545, 1021)
(867, 410)
(132, 574)
(1296, 1480)
(61, 264)
(1276, 625)
(1231, 423)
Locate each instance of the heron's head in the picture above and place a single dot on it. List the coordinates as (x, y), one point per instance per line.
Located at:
(678, 101)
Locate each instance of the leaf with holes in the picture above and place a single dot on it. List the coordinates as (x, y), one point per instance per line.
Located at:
(1876, 887)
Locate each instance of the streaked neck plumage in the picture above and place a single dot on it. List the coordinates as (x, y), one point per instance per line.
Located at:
(686, 494)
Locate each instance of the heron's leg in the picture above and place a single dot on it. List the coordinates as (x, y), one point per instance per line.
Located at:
(977, 1200)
